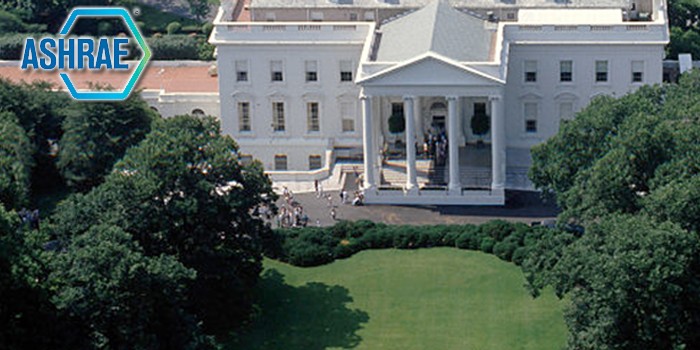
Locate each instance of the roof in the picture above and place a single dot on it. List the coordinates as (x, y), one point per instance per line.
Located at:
(438, 28)
(166, 75)
(419, 3)
(570, 16)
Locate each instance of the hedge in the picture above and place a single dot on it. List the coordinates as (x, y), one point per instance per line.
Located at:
(313, 246)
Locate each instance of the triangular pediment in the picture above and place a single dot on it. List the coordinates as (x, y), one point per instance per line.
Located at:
(430, 69)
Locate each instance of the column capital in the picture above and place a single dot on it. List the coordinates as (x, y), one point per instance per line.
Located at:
(451, 98)
(495, 97)
(409, 97)
(365, 97)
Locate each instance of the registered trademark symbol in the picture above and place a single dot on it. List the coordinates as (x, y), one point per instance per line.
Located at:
(136, 11)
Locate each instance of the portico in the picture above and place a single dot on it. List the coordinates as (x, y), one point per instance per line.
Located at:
(431, 78)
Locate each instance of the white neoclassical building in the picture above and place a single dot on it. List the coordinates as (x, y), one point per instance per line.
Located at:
(304, 84)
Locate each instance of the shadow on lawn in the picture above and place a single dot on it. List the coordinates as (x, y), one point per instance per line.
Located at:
(314, 316)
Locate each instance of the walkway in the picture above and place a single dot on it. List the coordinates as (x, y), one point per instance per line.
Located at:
(521, 207)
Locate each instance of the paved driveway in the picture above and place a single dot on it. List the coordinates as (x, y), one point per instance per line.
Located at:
(524, 207)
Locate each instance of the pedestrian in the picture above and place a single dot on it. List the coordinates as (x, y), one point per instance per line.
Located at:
(318, 223)
(330, 200)
(333, 213)
(344, 196)
(316, 186)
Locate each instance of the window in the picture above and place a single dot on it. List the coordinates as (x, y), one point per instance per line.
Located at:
(397, 108)
(311, 71)
(530, 111)
(278, 116)
(479, 108)
(198, 112)
(353, 16)
(566, 110)
(241, 70)
(345, 71)
(347, 115)
(245, 159)
(637, 71)
(276, 71)
(510, 16)
(601, 71)
(316, 16)
(270, 17)
(281, 162)
(566, 71)
(315, 162)
(530, 71)
(369, 16)
(312, 123)
(243, 116)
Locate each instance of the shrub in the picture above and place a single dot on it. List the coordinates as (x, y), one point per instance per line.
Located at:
(174, 47)
(487, 244)
(468, 237)
(497, 229)
(10, 23)
(173, 28)
(207, 28)
(11, 46)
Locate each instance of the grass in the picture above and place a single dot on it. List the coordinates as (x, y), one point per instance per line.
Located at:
(438, 298)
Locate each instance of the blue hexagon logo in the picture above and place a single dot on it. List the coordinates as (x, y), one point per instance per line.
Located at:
(133, 79)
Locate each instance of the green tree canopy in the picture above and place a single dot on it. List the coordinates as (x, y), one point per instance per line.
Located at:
(617, 153)
(183, 193)
(96, 135)
(633, 284)
(15, 162)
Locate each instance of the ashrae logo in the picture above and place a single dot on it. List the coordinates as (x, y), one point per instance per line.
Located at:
(70, 54)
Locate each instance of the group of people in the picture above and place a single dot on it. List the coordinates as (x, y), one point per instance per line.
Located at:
(435, 147)
(291, 213)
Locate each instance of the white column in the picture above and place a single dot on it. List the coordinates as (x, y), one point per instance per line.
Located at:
(409, 117)
(498, 144)
(420, 129)
(369, 181)
(453, 150)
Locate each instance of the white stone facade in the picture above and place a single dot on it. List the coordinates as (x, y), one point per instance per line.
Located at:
(303, 82)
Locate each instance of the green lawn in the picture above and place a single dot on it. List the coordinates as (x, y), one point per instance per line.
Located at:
(440, 298)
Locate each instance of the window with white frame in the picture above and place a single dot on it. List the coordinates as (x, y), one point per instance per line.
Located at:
(276, 73)
(312, 117)
(353, 16)
(278, 116)
(346, 71)
(281, 162)
(270, 17)
(566, 71)
(311, 71)
(241, 70)
(244, 116)
(316, 16)
(601, 71)
(530, 114)
(369, 15)
(245, 159)
(566, 110)
(637, 71)
(315, 162)
(347, 115)
(530, 71)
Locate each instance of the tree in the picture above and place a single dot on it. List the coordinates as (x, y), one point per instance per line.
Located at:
(182, 192)
(618, 152)
(200, 8)
(15, 162)
(123, 299)
(96, 135)
(633, 284)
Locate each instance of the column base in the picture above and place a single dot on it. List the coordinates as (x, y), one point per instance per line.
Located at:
(454, 189)
(412, 189)
(498, 190)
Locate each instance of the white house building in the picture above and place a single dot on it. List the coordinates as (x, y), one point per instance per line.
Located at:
(305, 82)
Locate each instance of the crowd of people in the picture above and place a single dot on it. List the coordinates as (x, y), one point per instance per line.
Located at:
(291, 213)
(435, 147)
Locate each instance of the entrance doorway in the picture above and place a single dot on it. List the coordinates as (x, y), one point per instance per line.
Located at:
(438, 111)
